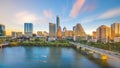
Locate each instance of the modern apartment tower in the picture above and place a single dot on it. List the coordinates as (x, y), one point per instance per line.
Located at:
(103, 34)
(28, 29)
(2, 30)
(52, 30)
(115, 30)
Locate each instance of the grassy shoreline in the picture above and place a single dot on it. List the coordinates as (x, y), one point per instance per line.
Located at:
(62, 43)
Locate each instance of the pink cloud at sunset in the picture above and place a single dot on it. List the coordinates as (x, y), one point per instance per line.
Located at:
(76, 8)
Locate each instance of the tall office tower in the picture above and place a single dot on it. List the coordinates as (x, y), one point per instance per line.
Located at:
(79, 32)
(64, 32)
(57, 22)
(94, 36)
(28, 29)
(52, 30)
(64, 29)
(2, 30)
(103, 33)
(59, 33)
(74, 37)
(74, 28)
(115, 30)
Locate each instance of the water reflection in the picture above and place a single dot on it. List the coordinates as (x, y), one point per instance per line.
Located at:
(55, 56)
(91, 57)
(28, 53)
(0, 55)
(47, 57)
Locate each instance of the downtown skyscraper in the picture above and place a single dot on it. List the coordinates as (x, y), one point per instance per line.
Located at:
(79, 33)
(57, 22)
(52, 30)
(28, 29)
(2, 30)
(58, 28)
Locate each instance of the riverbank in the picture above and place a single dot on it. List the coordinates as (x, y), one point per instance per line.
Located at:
(63, 43)
(56, 44)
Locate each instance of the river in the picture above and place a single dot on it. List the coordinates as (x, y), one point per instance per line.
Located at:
(47, 57)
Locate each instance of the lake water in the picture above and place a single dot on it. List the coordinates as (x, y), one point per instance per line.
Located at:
(47, 57)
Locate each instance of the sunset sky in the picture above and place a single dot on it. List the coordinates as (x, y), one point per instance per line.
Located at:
(90, 13)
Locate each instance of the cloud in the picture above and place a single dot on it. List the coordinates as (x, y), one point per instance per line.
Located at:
(25, 16)
(48, 13)
(17, 20)
(89, 6)
(110, 14)
(76, 8)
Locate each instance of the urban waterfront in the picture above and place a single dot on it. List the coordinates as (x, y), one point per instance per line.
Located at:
(47, 57)
(60, 34)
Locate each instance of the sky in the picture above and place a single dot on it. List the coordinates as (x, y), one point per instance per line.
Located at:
(90, 13)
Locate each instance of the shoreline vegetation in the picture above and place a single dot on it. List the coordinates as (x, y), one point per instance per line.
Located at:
(62, 43)
(66, 43)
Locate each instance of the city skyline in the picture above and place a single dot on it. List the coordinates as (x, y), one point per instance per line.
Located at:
(90, 14)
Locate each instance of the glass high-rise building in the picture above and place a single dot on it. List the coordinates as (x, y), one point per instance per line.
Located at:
(64, 29)
(57, 22)
(2, 30)
(28, 29)
(52, 30)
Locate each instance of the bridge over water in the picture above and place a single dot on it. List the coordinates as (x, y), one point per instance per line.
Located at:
(103, 54)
